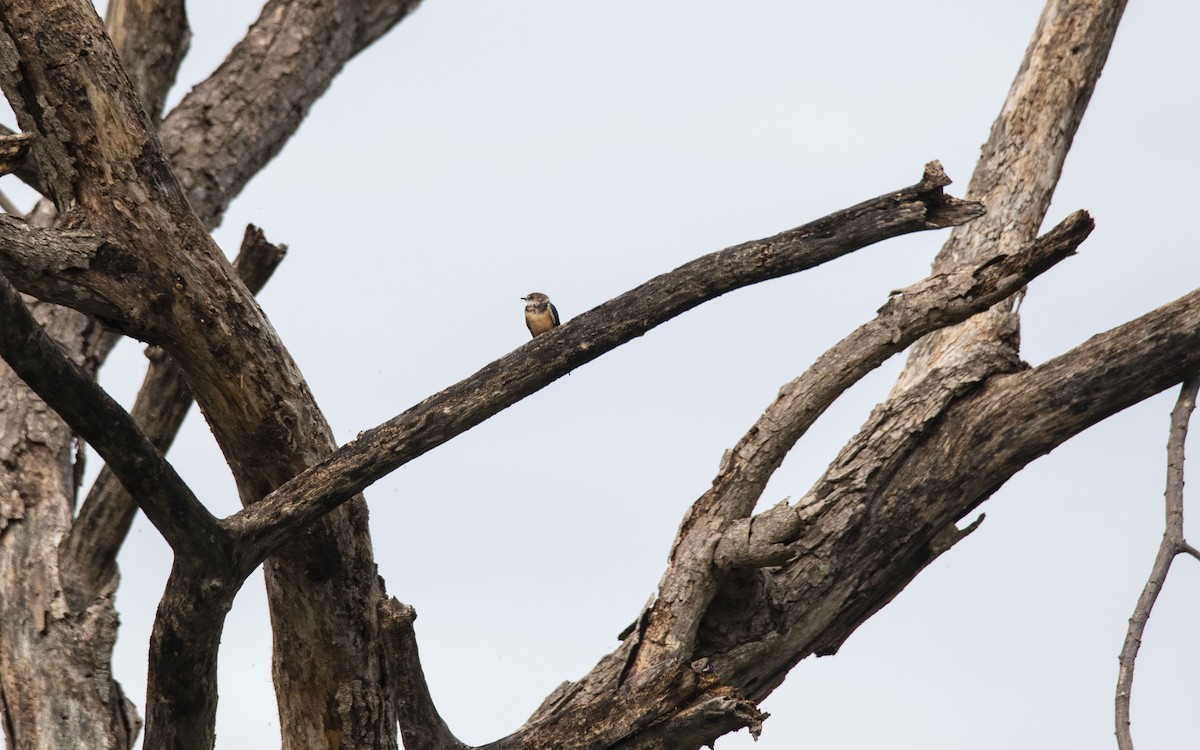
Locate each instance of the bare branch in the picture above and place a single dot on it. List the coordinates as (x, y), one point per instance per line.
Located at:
(1172, 544)
(941, 300)
(716, 528)
(233, 123)
(40, 262)
(870, 524)
(674, 705)
(151, 37)
(381, 450)
(420, 723)
(164, 497)
(1020, 165)
(104, 167)
(88, 551)
(182, 678)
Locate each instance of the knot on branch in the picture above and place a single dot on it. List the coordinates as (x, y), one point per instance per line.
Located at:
(13, 150)
(759, 541)
(944, 210)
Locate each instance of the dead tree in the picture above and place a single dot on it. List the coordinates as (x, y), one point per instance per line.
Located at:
(124, 246)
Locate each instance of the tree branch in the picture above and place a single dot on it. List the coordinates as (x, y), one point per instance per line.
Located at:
(421, 726)
(1020, 165)
(381, 450)
(88, 552)
(170, 285)
(43, 262)
(182, 676)
(716, 529)
(1173, 543)
(943, 299)
(152, 38)
(230, 125)
(163, 496)
(674, 705)
(871, 523)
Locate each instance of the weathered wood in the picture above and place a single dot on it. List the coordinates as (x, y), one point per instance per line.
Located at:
(152, 38)
(102, 166)
(382, 449)
(56, 679)
(1020, 164)
(89, 550)
(716, 532)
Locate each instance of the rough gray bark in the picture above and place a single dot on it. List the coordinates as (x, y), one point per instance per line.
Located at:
(55, 648)
(151, 37)
(89, 550)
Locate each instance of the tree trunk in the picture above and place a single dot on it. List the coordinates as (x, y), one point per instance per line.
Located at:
(55, 650)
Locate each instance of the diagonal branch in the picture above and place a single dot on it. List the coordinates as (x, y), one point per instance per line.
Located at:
(230, 125)
(421, 726)
(381, 450)
(873, 521)
(1173, 543)
(88, 552)
(717, 530)
(168, 503)
(1020, 164)
(152, 37)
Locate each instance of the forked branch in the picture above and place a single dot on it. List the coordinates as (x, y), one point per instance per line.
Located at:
(1173, 544)
(718, 532)
(381, 450)
(88, 552)
(81, 402)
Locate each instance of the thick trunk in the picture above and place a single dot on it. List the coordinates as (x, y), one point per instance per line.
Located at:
(55, 674)
(103, 167)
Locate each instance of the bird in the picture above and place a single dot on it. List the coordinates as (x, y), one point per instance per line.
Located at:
(540, 314)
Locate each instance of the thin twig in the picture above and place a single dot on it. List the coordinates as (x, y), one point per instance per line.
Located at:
(1172, 544)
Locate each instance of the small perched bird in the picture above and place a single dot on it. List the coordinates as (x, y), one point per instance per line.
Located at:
(540, 315)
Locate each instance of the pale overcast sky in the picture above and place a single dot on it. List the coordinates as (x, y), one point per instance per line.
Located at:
(484, 150)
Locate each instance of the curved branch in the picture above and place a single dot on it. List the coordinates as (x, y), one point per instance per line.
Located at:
(230, 125)
(716, 529)
(88, 552)
(381, 450)
(1173, 544)
(167, 501)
